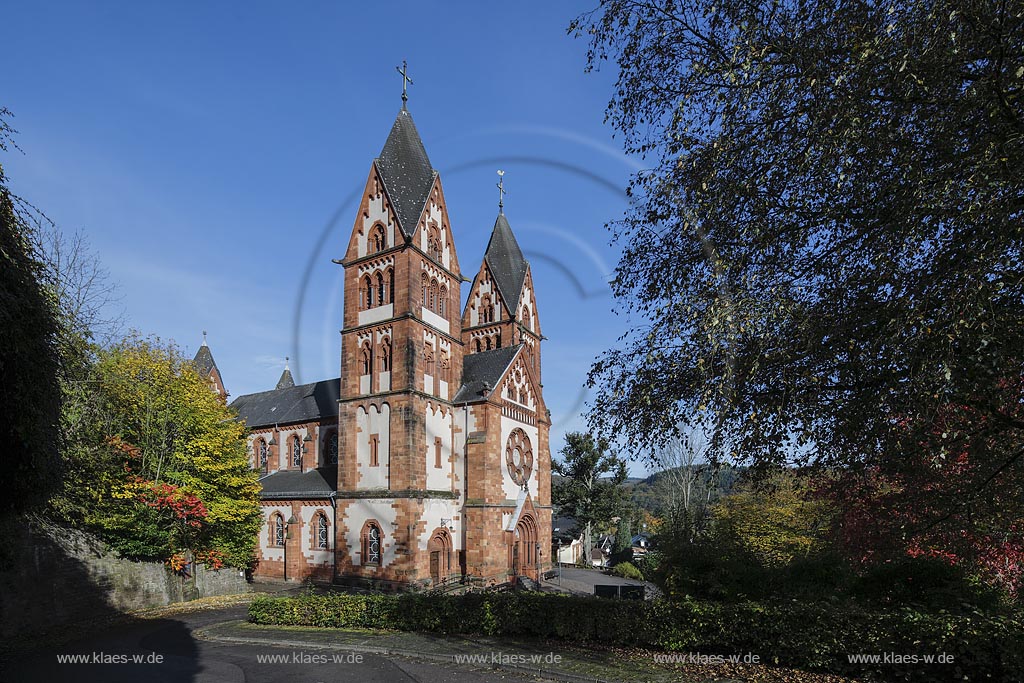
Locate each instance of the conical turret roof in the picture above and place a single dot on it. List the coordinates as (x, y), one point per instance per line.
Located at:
(406, 171)
(506, 262)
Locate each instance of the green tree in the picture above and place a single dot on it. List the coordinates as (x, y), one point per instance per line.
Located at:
(828, 245)
(590, 490)
(30, 360)
(158, 466)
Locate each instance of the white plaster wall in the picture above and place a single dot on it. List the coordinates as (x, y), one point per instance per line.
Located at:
(509, 486)
(355, 517)
(465, 423)
(373, 421)
(434, 511)
(438, 424)
(376, 314)
(435, 320)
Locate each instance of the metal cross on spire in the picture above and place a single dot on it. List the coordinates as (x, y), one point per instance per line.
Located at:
(406, 81)
(501, 191)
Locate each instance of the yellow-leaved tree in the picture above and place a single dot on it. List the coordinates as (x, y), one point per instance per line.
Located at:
(157, 462)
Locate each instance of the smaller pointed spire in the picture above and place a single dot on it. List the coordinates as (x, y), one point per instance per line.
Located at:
(286, 380)
(204, 338)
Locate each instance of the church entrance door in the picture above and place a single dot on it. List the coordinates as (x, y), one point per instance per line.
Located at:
(440, 549)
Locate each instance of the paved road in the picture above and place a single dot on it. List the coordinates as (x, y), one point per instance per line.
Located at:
(185, 659)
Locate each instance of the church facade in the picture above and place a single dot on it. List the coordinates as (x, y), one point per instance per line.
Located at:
(426, 461)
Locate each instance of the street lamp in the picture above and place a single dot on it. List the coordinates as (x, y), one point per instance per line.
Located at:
(558, 557)
(287, 536)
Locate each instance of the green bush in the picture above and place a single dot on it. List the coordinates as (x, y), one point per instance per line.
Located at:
(627, 571)
(815, 636)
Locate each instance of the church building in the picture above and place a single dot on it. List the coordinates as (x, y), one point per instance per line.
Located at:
(427, 461)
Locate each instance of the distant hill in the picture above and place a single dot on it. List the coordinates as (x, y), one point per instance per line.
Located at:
(654, 493)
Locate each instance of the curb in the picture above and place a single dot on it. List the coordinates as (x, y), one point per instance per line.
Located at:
(537, 671)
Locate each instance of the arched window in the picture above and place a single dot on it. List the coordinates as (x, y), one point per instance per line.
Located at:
(332, 449)
(433, 296)
(378, 240)
(434, 244)
(487, 344)
(428, 356)
(424, 283)
(486, 310)
(372, 539)
(497, 340)
(365, 360)
(478, 347)
(321, 532)
(443, 302)
(367, 292)
(385, 355)
(264, 454)
(445, 367)
(381, 292)
(391, 285)
(278, 527)
(296, 451)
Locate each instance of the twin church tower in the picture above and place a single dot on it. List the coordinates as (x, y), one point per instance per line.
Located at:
(427, 461)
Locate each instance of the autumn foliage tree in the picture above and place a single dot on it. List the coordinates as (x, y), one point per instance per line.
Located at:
(825, 252)
(157, 462)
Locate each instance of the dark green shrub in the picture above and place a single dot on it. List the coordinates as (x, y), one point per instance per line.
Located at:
(627, 571)
(817, 636)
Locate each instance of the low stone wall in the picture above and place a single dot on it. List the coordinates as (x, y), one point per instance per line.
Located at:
(54, 576)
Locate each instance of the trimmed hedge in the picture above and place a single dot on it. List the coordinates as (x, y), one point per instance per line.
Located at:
(802, 635)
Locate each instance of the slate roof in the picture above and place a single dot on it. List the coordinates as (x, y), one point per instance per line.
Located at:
(406, 171)
(507, 263)
(286, 380)
(303, 403)
(289, 484)
(484, 367)
(204, 361)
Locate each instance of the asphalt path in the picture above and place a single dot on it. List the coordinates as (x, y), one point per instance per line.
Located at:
(165, 651)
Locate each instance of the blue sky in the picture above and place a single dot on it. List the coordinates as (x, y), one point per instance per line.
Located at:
(211, 153)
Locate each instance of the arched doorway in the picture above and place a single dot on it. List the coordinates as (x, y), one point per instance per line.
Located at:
(523, 553)
(439, 549)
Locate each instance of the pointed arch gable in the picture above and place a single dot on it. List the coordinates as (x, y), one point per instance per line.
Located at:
(374, 208)
(522, 363)
(443, 223)
(476, 295)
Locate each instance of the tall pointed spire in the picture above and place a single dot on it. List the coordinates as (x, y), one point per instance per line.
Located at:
(406, 171)
(506, 261)
(286, 380)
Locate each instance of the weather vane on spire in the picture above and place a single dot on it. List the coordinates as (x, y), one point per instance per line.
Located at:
(406, 81)
(501, 191)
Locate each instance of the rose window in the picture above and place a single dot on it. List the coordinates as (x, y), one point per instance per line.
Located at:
(519, 457)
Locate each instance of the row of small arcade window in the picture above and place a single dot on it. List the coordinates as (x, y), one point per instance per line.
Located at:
(296, 448)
